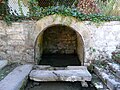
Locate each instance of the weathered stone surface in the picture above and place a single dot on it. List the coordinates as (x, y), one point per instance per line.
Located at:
(84, 84)
(59, 39)
(2, 42)
(113, 85)
(15, 79)
(98, 83)
(16, 42)
(112, 82)
(42, 67)
(3, 63)
(115, 68)
(42, 75)
(48, 67)
(76, 68)
(93, 42)
(61, 75)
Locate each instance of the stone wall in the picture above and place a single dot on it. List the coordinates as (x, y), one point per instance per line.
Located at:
(17, 42)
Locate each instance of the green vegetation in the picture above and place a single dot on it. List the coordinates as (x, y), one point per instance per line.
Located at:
(109, 7)
(36, 12)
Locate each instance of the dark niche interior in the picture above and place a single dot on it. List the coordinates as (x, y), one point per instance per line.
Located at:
(59, 46)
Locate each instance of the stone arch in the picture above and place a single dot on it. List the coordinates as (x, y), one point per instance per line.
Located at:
(82, 31)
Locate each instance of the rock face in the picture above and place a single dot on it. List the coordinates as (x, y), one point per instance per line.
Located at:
(15, 79)
(81, 74)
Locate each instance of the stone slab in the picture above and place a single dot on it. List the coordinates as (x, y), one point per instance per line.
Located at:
(115, 67)
(76, 67)
(42, 67)
(3, 63)
(113, 85)
(98, 83)
(15, 79)
(61, 75)
(48, 67)
(112, 82)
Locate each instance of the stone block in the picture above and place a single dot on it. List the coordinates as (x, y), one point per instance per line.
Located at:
(2, 31)
(76, 67)
(15, 29)
(16, 36)
(115, 68)
(16, 42)
(2, 42)
(42, 67)
(111, 81)
(15, 79)
(60, 75)
(112, 84)
(84, 84)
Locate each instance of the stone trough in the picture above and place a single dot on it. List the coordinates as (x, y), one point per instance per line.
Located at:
(70, 73)
(17, 78)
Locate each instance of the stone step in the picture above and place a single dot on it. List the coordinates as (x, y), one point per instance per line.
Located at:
(48, 67)
(114, 67)
(82, 74)
(15, 79)
(98, 83)
(3, 63)
(112, 82)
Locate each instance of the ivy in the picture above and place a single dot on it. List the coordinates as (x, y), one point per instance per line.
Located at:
(37, 12)
(68, 11)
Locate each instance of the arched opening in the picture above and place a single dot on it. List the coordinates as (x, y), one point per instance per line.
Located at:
(59, 45)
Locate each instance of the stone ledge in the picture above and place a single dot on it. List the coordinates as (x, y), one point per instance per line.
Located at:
(76, 67)
(61, 75)
(112, 82)
(48, 67)
(115, 68)
(15, 79)
(99, 85)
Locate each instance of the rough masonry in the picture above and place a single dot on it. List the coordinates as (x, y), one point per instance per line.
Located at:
(19, 42)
